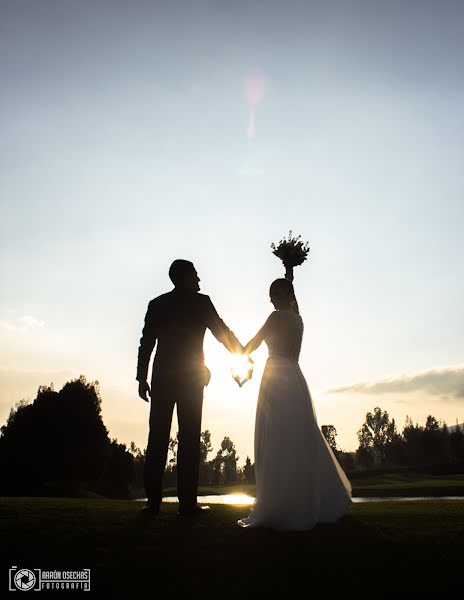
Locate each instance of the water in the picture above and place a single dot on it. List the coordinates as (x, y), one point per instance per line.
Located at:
(244, 500)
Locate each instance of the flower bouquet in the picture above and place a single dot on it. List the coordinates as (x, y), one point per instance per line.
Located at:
(292, 252)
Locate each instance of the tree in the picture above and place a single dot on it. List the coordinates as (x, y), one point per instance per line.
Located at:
(137, 483)
(229, 460)
(376, 433)
(456, 438)
(57, 440)
(435, 442)
(205, 445)
(395, 451)
(170, 471)
(119, 470)
(216, 466)
(205, 449)
(412, 435)
(432, 424)
(429, 444)
(224, 465)
(364, 456)
(330, 434)
(172, 450)
(346, 460)
(249, 471)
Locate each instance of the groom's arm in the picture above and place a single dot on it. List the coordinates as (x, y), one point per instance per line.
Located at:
(220, 330)
(147, 342)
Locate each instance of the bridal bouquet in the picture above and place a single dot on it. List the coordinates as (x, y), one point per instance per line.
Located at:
(292, 252)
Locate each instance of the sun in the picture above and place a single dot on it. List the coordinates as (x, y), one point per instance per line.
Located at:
(242, 367)
(223, 364)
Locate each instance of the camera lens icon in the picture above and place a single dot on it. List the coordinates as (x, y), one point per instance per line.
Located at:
(24, 579)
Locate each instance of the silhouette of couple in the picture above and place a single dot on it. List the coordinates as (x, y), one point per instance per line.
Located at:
(298, 479)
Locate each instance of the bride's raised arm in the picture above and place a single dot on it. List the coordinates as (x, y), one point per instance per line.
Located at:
(256, 342)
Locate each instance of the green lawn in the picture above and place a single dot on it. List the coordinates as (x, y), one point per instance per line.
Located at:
(389, 484)
(378, 550)
(409, 484)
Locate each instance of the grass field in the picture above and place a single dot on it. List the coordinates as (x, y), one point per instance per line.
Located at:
(388, 484)
(379, 550)
(409, 484)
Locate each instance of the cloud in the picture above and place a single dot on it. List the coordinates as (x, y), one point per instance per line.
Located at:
(446, 382)
(23, 323)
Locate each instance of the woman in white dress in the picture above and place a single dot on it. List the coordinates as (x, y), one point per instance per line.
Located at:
(299, 482)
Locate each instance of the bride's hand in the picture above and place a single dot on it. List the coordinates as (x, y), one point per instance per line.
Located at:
(242, 370)
(237, 379)
(242, 383)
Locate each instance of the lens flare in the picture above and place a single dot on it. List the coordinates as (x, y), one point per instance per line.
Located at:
(242, 367)
(255, 88)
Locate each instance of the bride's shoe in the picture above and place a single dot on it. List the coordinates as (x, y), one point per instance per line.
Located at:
(245, 522)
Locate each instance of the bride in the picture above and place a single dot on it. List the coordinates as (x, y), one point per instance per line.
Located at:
(298, 479)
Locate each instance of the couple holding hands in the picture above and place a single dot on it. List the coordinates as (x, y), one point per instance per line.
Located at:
(299, 481)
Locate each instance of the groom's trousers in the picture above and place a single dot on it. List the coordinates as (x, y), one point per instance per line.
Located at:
(187, 394)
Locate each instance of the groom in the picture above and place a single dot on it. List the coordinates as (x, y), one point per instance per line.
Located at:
(177, 321)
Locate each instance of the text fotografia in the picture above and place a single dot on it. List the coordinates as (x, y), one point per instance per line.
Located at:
(40, 579)
(66, 580)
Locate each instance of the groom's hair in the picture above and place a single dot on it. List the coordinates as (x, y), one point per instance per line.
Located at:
(179, 270)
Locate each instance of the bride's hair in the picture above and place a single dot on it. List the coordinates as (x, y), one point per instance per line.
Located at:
(284, 288)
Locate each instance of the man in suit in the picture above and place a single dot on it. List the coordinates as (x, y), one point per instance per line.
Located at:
(177, 321)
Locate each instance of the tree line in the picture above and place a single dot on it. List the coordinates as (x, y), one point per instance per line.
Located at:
(382, 445)
(221, 469)
(59, 445)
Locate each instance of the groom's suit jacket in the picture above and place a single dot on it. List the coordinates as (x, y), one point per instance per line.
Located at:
(177, 321)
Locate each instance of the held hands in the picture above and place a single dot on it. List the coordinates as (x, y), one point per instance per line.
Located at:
(242, 369)
(241, 382)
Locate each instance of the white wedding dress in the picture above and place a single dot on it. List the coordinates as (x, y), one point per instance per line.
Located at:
(299, 482)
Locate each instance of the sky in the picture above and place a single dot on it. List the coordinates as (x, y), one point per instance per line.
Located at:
(125, 143)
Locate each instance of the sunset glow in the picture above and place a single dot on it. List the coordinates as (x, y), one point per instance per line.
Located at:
(128, 143)
(242, 367)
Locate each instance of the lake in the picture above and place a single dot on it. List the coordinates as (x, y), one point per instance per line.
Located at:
(244, 500)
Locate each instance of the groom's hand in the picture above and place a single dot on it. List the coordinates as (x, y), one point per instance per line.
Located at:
(143, 389)
(237, 379)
